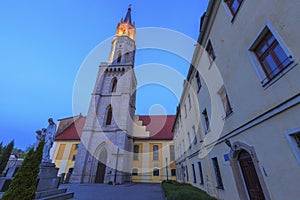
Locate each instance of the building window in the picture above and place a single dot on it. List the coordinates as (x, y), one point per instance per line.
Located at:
(233, 5)
(271, 55)
(189, 138)
(297, 139)
(156, 172)
(60, 152)
(206, 120)
(172, 153)
(225, 102)
(194, 173)
(187, 173)
(201, 173)
(108, 115)
(119, 57)
(73, 157)
(76, 146)
(198, 81)
(155, 152)
(114, 85)
(136, 152)
(217, 173)
(127, 57)
(173, 172)
(195, 137)
(134, 172)
(210, 51)
(293, 138)
(190, 102)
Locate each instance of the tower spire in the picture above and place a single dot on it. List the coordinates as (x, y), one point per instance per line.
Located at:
(128, 15)
(125, 27)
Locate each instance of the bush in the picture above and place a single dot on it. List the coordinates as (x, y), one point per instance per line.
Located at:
(24, 183)
(181, 191)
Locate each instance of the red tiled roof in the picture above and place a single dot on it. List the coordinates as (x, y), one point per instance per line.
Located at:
(159, 126)
(70, 128)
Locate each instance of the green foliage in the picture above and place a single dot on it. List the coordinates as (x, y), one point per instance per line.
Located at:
(1, 151)
(180, 191)
(23, 185)
(5, 154)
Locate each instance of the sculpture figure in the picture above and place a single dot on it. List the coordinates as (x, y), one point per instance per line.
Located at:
(49, 139)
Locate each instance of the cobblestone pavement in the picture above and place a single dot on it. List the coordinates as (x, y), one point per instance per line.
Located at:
(132, 191)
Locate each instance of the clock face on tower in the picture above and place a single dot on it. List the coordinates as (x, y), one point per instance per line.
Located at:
(126, 29)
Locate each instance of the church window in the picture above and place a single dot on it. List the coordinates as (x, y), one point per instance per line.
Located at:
(114, 85)
(109, 115)
(119, 57)
(127, 57)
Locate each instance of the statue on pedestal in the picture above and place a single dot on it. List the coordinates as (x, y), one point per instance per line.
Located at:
(40, 135)
(49, 140)
(48, 134)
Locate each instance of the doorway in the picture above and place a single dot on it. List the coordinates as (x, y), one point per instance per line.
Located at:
(101, 167)
(100, 172)
(250, 176)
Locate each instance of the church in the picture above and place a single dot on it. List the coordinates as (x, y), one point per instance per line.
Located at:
(113, 145)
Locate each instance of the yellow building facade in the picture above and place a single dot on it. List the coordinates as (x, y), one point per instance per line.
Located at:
(153, 149)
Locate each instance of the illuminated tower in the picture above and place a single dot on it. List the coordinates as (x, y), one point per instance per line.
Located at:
(106, 142)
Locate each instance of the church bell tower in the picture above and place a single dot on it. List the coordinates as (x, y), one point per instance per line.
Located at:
(104, 153)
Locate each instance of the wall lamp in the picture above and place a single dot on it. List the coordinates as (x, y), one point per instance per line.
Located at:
(228, 143)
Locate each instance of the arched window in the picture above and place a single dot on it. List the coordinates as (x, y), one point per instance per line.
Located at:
(114, 82)
(108, 115)
(119, 57)
(127, 57)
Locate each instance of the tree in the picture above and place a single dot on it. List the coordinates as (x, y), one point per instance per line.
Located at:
(23, 185)
(1, 151)
(6, 152)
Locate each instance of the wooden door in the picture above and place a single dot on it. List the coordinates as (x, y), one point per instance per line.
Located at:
(250, 177)
(100, 173)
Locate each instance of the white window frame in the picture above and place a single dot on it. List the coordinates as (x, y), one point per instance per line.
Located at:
(221, 105)
(293, 144)
(231, 17)
(255, 62)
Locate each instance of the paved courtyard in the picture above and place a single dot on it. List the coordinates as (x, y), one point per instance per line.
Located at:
(132, 191)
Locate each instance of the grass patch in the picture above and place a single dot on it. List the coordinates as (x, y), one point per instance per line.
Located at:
(180, 191)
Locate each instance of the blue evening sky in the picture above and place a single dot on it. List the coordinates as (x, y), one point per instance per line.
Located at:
(43, 44)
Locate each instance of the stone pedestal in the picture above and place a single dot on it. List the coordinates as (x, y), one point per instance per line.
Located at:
(48, 179)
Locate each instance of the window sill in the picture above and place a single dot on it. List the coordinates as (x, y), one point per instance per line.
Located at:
(280, 74)
(228, 115)
(220, 188)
